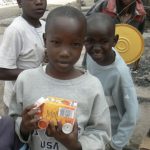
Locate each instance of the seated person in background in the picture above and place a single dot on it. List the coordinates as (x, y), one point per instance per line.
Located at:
(107, 65)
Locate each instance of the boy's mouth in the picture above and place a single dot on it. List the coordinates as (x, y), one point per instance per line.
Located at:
(97, 56)
(40, 10)
(97, 52)
(64, 63)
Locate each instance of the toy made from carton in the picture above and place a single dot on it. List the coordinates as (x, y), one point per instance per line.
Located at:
(57, 109)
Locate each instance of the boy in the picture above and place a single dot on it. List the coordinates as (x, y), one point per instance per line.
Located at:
(64, 38)
(107, 65)
(22, 46)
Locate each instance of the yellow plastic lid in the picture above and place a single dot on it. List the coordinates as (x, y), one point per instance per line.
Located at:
(130, 44)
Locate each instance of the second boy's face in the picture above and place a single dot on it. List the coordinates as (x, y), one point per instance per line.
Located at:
(33, 8)
(99, 44)
(64, 41)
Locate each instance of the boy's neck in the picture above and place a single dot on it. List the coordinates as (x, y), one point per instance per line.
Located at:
(33, 22)
(74, 73)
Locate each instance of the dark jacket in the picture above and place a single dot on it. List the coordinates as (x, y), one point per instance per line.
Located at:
(110, 7)
(8, 138)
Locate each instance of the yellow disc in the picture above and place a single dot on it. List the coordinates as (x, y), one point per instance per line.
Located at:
(130, 44)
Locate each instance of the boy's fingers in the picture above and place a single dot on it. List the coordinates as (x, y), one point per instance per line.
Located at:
(75, 128)
(50, 131)
(35, 119)
(59, 126)
(34, 122)
(32, 113)
(52, 127)
(27, 109)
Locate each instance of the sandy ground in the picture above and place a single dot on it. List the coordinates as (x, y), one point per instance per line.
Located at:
(143, 123)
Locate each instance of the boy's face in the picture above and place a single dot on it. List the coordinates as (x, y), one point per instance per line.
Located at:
(99, 43)
(32, 8)
(64, 41)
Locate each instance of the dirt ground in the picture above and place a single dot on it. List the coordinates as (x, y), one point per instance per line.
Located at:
(142, 83)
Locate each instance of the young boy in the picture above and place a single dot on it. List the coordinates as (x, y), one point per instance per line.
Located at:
(107, 65)
(64, 38)
(22, 46)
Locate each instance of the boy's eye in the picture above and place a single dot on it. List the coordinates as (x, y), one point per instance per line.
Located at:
(55, 42)
(103, 42)
(76, 44)
(89, 41)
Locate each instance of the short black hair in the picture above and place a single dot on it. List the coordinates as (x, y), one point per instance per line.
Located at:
(67, 11)
(100, 19)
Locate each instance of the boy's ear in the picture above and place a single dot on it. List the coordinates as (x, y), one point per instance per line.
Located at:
(44, 38)
(19, 3)
(115, 40)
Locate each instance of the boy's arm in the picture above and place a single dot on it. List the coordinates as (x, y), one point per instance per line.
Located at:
(15, 111)
(9, 74)
(129, 118)
(10, 49)
(98, 130)
(16, 108)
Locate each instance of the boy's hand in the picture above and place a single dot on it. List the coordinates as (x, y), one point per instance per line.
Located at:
(29, 121)
(70, 141)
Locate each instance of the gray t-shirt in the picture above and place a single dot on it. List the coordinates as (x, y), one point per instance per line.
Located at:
(93, 115)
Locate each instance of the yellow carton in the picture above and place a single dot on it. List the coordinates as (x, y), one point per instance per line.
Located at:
(57, 109)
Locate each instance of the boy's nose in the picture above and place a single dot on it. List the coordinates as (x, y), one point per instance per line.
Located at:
(38, 1)
(64, 52)
(97, 46)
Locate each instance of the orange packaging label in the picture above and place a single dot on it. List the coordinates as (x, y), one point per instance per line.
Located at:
(57, 109)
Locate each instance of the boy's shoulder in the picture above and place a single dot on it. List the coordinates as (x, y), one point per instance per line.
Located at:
(17, 23)
(123, 70)
(119, 62)
(29, 73)
(32, 70)
(20, 24)
(92, 81)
